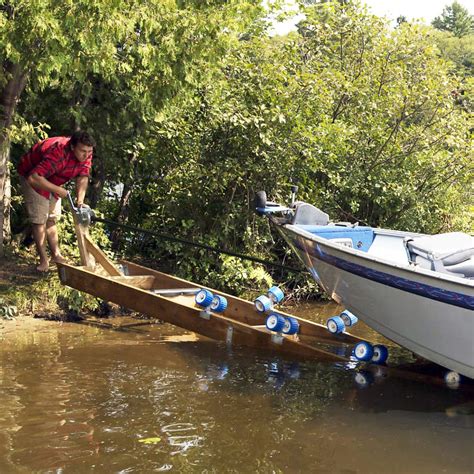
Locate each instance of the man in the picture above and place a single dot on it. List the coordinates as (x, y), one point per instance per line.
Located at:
(43, 170)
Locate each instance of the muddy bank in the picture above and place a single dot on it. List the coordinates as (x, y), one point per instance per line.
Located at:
(24, 325)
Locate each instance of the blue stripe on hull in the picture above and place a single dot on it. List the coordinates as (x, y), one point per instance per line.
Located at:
(428, 291)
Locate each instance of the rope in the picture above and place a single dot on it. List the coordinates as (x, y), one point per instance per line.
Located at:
(196, 244)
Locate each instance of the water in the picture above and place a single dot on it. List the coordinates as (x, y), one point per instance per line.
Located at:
(76, 398)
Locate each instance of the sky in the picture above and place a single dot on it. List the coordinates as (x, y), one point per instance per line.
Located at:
(426, 10)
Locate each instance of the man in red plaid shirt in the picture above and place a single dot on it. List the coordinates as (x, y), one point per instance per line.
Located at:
(43, 170)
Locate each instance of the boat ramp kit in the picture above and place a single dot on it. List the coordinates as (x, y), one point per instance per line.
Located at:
(237, 322)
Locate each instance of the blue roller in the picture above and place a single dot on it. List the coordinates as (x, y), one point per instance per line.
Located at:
(219, 304)
(275, 294)
(363, 351)
(263, 304)
(275, 322)
(380, 354)
(335, 325)
(349, 318)
(204, 298)
(291, 326)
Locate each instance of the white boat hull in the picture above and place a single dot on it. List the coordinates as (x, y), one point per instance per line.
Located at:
(431, 315)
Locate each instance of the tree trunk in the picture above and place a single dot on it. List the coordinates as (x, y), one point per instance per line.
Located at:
(9, 96)
(5, 194)
(98, 180)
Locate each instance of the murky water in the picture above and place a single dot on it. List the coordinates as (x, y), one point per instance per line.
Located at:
(76, 398)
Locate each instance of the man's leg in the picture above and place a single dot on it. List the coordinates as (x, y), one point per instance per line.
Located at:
(51, 230)
(38, 208)
(39, 234)
(52, 234)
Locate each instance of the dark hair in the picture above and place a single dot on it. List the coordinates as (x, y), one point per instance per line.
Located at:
(82, 137)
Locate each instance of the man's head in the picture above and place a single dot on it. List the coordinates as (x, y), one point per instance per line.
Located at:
(82, 145)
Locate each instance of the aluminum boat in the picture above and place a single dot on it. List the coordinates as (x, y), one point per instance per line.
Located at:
(416, 290)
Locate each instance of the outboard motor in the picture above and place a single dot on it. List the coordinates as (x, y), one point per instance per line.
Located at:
(260, 202)
(264, 207)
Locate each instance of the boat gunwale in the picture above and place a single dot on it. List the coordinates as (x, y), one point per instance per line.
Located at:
(412, 270)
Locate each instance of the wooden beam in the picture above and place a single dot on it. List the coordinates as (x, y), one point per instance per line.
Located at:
(87, 259)
(145, 282)
(100, 256)
(217, 327)
(242, 310)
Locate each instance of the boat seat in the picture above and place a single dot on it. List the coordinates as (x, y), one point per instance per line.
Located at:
(307, 214)
(451, 252)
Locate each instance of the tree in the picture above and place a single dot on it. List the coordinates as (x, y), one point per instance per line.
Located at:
(387, 143)
(131, 56)
(456, 19)
(40, 42)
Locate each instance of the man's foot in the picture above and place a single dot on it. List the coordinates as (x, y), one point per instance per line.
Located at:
(58, 259)
(43, 267)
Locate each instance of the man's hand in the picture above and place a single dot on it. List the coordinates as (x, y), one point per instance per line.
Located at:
(40, 182)
(81, 204)
(61, 192)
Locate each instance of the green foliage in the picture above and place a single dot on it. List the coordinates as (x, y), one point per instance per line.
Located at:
(388, 138)
(193, 117)
(238, 275)
(360, 115)
(455, 19)
(7, 311)
(460, 51)
(53, 297)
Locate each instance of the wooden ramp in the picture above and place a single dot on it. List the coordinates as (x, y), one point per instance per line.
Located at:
(153, 293)
(240, 324)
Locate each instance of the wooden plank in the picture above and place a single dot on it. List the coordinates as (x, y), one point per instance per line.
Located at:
(145, 282)
(87, 259)
(218, 327)
(242, 310)
(100, 256)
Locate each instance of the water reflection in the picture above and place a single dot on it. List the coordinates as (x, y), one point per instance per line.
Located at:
(80, 399)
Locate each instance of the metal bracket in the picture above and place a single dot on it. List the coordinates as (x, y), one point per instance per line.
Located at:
(205, 314)
(123, 269)
(277, 338)
(176, 291)
(84, 214)
(229, 335)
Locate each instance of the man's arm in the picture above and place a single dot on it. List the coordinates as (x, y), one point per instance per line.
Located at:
(81, 188)
(40, 182)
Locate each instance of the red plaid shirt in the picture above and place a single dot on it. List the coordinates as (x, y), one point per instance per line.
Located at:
(54, 160)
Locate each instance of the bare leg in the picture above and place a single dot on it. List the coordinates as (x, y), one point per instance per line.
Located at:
(52, 234)
(39, 234)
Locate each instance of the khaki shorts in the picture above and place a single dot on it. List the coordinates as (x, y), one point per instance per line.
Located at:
(38, 207)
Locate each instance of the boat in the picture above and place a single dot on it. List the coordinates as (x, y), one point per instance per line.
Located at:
(415, 289)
